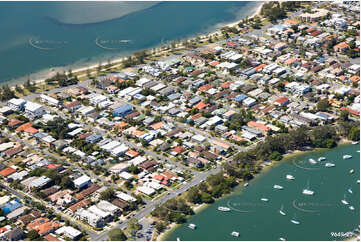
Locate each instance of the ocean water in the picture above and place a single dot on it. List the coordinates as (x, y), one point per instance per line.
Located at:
(38, 36)
(321, 216)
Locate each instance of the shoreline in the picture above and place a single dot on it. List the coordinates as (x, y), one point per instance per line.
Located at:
(42, 75)
(264, 170)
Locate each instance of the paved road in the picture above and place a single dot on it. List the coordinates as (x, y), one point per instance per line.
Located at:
(153, 204)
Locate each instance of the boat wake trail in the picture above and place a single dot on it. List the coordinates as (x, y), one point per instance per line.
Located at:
(238, 210)
(304, 168)
(303, 210)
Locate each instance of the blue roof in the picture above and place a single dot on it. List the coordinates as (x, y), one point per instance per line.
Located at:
(123, 110)
(11, 206)
(240, 97)
(93, 137)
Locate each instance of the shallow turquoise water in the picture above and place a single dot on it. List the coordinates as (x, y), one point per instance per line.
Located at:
(319, 215)
(74, 44)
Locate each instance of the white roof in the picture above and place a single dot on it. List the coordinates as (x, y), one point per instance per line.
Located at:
(125, 175)
(142, 81)
(120, 149)
(107, 206)
(110, 146)
(81, 180)
(94, 209)
(125, 197)
(137, 160)
(146, 190)
(199, 138)
(32, 107)
(17, 101)
(69, 231)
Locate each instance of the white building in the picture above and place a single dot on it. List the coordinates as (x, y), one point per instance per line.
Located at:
(16, 104)
(91, 218)
(109, 207)
(146, 190)
(33, 110)
(69, 232)
(49, 100)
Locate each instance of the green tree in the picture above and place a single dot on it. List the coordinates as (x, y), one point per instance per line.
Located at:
(33, 235)
(323, 105)
(116, 235)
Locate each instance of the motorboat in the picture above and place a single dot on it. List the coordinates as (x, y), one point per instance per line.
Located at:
(224, 209)
(328, 164)
(178, 239)
(349, 190)
(352, 171)
(347, 157)
(351, 207)
(321, 158)
(344, 200)
(192, 226)
(307, 190)
(354, 142)
(312, 161)
(264, 199)
(290, 177)
(235, 234)
(246, 185)
(358, 181)
(282, 239)
(278, 187)
(282, 212)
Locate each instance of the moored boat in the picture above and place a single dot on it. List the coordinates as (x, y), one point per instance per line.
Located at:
(282, 239)
(282, 212)
(312, 161)
(192, 226)
(347, 157)
(278, 187)
(321, 158)
(354, 142)
(329, 164)
(246, 185)
(290, 177)
(351, 207)
(294, 220)
(349, 190)
(344, 200)
(235, 234)
(307, 190)
(264, 199)
(351, 171)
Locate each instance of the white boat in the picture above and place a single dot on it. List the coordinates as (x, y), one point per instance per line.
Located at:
(294, 220)
(246, 185)
(328, 164)
(235, 234)
(178, 239)
(352, 171)
(290, 177)
(349, 190)
(192, 226)
(354, 142)
(351, 208)
(347, 157)
(308, 191)
(282, 239)
(321, 158)
(281, 211)
(344, 200)
(358, 181)
(264, 199)
(312, 161)
(278, 187)
(224, 209)
(358, 151)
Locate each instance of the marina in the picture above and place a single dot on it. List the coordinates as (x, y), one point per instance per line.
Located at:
(317, 214)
